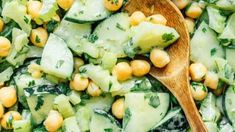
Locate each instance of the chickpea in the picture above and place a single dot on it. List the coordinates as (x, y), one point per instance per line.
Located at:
(78, 62)
(159, 58)
(1, 25)
(194, 11)
(37, 74)
(140, 67)
(8, 96)
(211, 80)
(157, 19)
(93, 89)
(65, 4)
(5, 46)
(137, 17)
(197, 71)
(190, 24)
(181, 4)
(9, 118)
(118, 108)
(33, 8)
(1, 110)
(122, 71)
(79, 83)
(39, 37)
(54, 121)
(113, 5)
(198, 90)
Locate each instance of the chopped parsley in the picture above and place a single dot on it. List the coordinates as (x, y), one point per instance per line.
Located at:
(37, 39)
(31, 83)
(26, 20)
(213, 51)
(119, 26)
(59, 63)
(168, 37)
(154, 101)
(40, 103)
(110, 85)
(127, 117)
(204, 30)
(108, 130)
(10, 120)
(92, 38)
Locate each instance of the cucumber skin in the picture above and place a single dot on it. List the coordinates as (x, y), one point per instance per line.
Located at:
(70, 19)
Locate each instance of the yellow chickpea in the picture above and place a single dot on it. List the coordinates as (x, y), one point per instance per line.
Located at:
(79, 83)
(93, 89)
(33, 8)
(1, 110)
(181, 4)
(190, 24)
(5, 46)
(113, 5)
(8, 96)
(157, 19)
(78, 62)
(1, 25)
(122, 71)
(199, 91)
(197, 71)
(137, 17)
(194, 11)
(140, 67)
(9, 118)
(54, 121)
(65, 4)
(118, 108)
(159, 58)
(39, 37)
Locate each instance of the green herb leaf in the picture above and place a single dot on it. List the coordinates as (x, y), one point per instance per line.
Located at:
(40, 103)
(92, 38)
(204, 30)
(37, 39)
(59, 63)
(154, 101)
(26, 20)
(213, 51)
(9, 120)
(108, 130)
(119, 26)
(127, 117)
(167, 37)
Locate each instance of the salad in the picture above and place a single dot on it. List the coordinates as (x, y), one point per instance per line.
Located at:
(73, 65)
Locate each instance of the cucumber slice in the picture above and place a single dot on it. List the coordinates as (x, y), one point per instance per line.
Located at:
(226, 4)
(229, 31)
(230, 53)
(83, 117)
(144, 110)
(57, 59)
(87, 11)
(22, 126)
(74, 97)
(40, 106)
(229, 104)
(108, 83)
(113, 33)
(146, 35)
(66, 28)
(205, 46)
(49, 8)
(208, 109)
(63, 105)
(18, 13)
(216, 20)
(101, 121)
(6, 74)
(70, 125)
(211, 126)
(224, 126)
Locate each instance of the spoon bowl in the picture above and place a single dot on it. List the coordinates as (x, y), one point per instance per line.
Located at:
(175, 75)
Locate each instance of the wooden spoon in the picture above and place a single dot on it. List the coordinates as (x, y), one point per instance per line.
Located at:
(175, 75)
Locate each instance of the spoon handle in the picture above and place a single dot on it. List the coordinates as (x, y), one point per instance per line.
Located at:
(191, 111)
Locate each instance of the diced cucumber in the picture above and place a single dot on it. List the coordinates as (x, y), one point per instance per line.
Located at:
(34, 52)
(109, 60)
(230, 53)
(83, 117)
(20, 48)
(48, 10)
(219, 102)
(114, 33)
(229, 31)
(63, 105)
(74, 97)
(89, 48)
(226, 4)
(229, 104)
(22, 126)
(71, 125)
(205, 46)
(208, 109)
(144, 110)
(40, 106)
(211, 126)
(225, 71)
(101, 77)
(224, 126)
(101, 121)
(18, 13)
(66, 28)
(146, 35)
(87, 11)
(57, 59)
(6, 74)
(168, 116)
(216, 20)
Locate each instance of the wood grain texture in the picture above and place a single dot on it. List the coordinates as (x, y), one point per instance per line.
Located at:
(175, 75)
